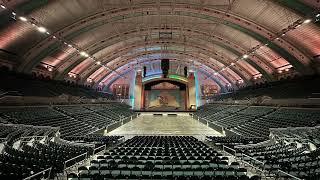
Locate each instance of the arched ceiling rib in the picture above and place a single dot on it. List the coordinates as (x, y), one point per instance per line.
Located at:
(212, 42)
(195, 45)
(249, 31)
(260, 20)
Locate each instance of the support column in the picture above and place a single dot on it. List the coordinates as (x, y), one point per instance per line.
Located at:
(138, 91)
(191, 91)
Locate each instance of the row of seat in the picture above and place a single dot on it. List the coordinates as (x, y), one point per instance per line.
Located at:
(73, 120)
(174, 157)
(255, 121)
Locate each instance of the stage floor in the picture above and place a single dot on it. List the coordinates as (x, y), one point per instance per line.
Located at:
(147, 124)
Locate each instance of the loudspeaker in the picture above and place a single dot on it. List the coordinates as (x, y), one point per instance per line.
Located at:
(165, 64)
(185, 71)
(144, 71)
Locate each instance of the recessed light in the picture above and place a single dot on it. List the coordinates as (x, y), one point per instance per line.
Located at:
(42, 29)
(307, 21)
(23, 18)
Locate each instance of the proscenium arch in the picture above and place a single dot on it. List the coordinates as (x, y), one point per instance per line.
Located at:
(289, 59)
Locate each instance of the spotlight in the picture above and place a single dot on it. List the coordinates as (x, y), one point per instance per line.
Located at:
(23, 18)
(318, 15)
(13, 13)
(232, 64)
(287, 69)
(3, 7)
(255, 78)
(98, 62)
(245, 56)
(84, 54)
(307, 21)
(42, 29)
(69, 45)
(280, 71)
(215, 73)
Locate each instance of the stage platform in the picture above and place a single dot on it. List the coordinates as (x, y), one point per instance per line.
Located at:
(178, 123)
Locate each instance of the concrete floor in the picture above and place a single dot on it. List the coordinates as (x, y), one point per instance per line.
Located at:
(147, 124)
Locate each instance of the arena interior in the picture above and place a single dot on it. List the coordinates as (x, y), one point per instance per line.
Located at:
(159, 89)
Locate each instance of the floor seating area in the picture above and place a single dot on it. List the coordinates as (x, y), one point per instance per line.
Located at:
(96, 139)
(304, 134)
(255, 121)
(9, 133)
(162, 157)
(74, 120)
(291, 157)
(231, 141)
(29, 160)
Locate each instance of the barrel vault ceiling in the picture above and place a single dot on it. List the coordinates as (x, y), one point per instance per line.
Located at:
(96, 41)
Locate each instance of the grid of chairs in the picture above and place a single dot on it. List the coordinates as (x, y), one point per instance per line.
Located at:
(74, 120)
(96, 139)
(255, 121)
(162, 157)
(29, 160)
(291, 158)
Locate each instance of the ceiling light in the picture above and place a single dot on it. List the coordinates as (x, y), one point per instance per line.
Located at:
(23, 18)
(42, 29)
(283, 34)
(245, 56)
(232, 64)
(13, 13)
(255, 78)
(215, 73)
(48, 33)
(277, 38)
(69, 45)
(98, 62)
(266, 44)
(2, 6)
(280, 71)
(287, 69)
(307, 21)
(84, 54)
(54, 37)
(318, 15)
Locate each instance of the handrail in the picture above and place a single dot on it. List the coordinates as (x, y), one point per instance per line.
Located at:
(103, 146)
(26, 137)
(223, 148)
(41, 172)
(292, 176)
(65, 163)
(253, 158)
